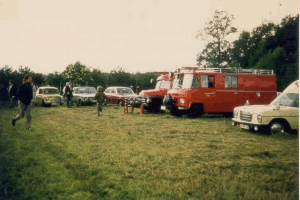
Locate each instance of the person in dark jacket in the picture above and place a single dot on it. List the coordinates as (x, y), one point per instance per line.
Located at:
(24, 95)
(100, 97)
(12, 91)
(69, 95)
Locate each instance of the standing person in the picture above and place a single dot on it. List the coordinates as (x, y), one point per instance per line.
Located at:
(34, 89)
(24, 95)
(71, 88)
(12, 91)
(100, 97)
(68, 94)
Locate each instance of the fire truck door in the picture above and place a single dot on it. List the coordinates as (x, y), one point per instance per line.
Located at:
(209, 93)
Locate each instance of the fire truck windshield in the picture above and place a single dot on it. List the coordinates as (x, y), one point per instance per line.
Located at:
(185, 81)
(163, 84)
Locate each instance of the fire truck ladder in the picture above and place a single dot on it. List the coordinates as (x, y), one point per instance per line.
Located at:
(231, 70)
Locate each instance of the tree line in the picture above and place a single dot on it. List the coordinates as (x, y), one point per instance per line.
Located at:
(80, 75)
(269, 46)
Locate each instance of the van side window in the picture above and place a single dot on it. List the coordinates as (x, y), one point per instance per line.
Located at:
(40, 91)
(231, 82)
(207, 81)
(195, 81)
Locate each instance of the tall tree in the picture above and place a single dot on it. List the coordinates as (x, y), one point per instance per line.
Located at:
(215, 32)
(78, 74)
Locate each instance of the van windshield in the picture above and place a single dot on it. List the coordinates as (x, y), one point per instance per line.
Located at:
(163, 84)
(185, 81)
(287, 99)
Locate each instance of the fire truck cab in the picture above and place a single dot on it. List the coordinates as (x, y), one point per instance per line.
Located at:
(196, 91)
(152, 99)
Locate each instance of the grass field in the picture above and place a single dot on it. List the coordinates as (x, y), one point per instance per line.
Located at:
(73, 154)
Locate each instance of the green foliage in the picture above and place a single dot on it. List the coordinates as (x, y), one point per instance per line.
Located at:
(56, 79)
(150, 156)
(215, 32)
(78, 74)
(270, 46)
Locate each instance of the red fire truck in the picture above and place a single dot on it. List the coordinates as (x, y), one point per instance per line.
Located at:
(196, 91)
(152, 99)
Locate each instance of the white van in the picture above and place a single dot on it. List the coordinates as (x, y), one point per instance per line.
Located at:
(282, 114)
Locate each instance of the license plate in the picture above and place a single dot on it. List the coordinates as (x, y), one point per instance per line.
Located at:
(244, 126)
(163, 107)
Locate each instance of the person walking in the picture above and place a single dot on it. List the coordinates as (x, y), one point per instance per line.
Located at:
(100, 97)
(69, 95)
(34, 89)
(12, 91)
(24, 94)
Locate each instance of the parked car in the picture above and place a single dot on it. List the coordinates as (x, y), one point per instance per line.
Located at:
(84, 95)
(282, 114)
(48, 96)
(218, 90)
(117, 94)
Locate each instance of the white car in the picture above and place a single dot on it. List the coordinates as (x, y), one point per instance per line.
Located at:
(84, 95)
(282, 114)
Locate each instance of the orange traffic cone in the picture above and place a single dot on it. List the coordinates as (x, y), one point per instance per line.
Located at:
(125, 108)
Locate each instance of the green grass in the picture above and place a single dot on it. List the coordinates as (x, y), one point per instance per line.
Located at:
(73, 154)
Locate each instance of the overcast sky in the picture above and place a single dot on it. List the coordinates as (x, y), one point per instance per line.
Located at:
(136, 35)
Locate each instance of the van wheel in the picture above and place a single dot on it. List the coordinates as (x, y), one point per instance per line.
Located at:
(276, 127)
(196, 111)
(176, 113)
(120, 102)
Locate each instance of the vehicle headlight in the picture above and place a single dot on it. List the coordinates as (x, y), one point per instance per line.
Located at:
(181, 101)
(235, 113)
(148, 100)
(259, 118)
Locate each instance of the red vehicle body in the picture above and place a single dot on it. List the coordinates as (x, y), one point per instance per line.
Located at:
(216, 90)
(152, 99)
(117, 94)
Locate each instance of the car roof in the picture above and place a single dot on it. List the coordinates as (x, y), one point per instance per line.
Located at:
(117, 87)
(47, 87)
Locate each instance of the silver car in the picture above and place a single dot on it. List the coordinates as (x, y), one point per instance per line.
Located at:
(84, 95)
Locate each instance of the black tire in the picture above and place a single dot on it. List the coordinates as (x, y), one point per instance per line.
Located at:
(176, 113)
(120, 103)
(276, 127)
(196, 111)
(79, 103)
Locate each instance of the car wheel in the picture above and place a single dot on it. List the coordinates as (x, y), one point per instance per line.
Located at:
(195, 112)
(120, 102)
(79, 103)
(276, 127)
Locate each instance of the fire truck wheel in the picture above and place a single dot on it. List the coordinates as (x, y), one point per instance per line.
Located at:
(195, 112)
(176, 113)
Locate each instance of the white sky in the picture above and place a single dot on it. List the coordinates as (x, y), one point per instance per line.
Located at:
(136, 35)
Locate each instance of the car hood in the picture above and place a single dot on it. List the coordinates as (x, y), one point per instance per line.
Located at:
(85, 95)
(153, 92)
(256, 109)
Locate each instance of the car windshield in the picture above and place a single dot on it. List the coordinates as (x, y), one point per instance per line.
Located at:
(51, 91)
(163, 84)
(125, 90)
(185, 81)
(87, 90)
(287, 99)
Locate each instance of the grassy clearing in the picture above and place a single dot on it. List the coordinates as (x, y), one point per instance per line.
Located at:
(73, 154)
